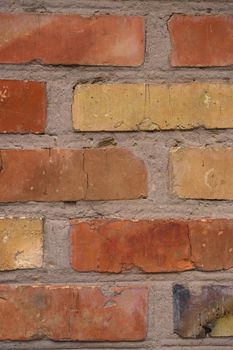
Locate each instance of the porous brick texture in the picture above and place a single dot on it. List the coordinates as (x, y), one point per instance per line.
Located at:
(116, 174)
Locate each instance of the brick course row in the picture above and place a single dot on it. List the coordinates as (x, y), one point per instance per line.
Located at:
(96, 312)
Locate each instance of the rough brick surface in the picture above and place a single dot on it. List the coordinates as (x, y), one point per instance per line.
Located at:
(128, 107)
(206, 312)
(210, 167)
(114, 174)
(21, 243)
(152, 245)
(70, 175)
(22, 106)
(201, 40)
(72, 39)
(72, 313)
(114, 245)
(211, 243)
(116, 107)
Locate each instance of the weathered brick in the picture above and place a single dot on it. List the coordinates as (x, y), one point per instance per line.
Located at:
(72, 313)
(128, 107)
(202, 173)
(211, 243)
(152, 245)
(201, 40)
(114, 174)
(21, 243)
(72, 39)
(207, 311)
(22, 106)
(114, 245)
(70, 175)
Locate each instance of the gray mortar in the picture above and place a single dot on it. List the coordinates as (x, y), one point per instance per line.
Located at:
(152, 147)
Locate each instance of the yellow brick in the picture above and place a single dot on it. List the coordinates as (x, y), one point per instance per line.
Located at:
(21, 243)
(125, 107)
(202, 173)
(223, 327)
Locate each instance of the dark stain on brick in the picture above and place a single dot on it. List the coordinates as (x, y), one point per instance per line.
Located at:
(205, 313)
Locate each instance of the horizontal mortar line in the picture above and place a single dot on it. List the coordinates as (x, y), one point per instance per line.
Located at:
(64, 215)
(12, 277)
(36, 69)
(205, 342)
(86, 345)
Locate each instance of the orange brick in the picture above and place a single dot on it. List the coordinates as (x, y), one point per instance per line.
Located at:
(72, 39)
(152, 245)
(22, 106)
(71, 175)
(114, 245)
(212, 244)
(72, 313)
(201, 40)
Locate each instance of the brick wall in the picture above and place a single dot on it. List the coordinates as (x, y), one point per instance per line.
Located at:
(116, 174)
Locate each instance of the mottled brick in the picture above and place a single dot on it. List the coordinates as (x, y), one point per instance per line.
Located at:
(72, 39)
(203, 311)
(135, 107)
(211, 243)
(66, 312)
(201, 40)
(21, 243)
(115, 245)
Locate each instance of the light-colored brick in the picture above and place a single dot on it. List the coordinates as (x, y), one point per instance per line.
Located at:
(21, 243)
(202, 173)
(128, 107)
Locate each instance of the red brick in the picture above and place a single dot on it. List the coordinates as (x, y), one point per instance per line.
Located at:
(22, 106)
(72, 313)
(114, 174)
(72, 39)
(114, 245)
(70, 175)
(201, 40)
(152, 245)
(212, 244)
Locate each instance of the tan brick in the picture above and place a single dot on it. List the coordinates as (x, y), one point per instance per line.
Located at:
(21, 243)
(202, 173)
(125, 107)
